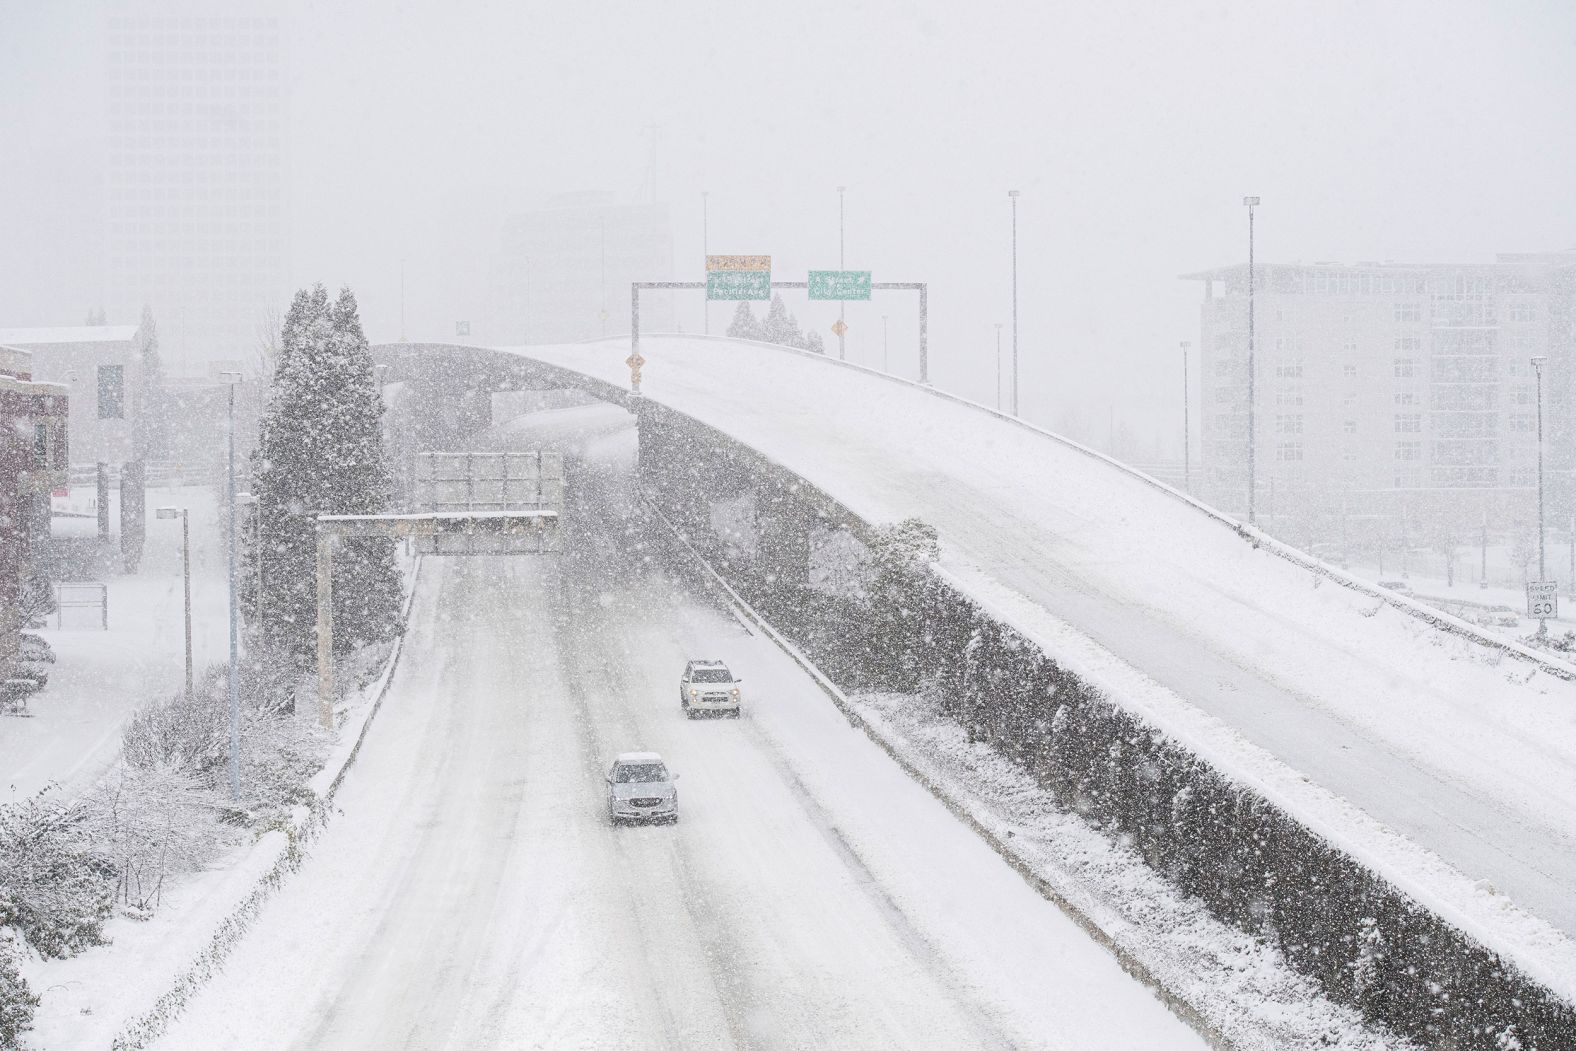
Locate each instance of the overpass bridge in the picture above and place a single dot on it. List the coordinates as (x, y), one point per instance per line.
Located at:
(1440, 757)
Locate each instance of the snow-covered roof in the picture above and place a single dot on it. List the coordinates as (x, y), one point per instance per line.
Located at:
(71, 334)
(638, 757)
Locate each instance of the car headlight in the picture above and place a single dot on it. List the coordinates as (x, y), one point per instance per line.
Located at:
(734, 692)
(694, 692)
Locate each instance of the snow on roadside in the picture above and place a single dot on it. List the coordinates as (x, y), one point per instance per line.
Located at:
(1244, 987)
(123, 993)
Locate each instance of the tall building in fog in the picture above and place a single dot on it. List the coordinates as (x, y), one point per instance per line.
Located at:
(563, 272)
(195, 200)
(1391, 396)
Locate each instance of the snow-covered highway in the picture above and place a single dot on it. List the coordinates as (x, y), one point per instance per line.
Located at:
(1464, 753)
(472, 895)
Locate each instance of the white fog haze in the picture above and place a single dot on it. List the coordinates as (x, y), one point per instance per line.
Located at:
(1408, 132)
(857, 525)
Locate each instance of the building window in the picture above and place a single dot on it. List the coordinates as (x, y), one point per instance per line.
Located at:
(1408, 450)
(1289, 425)
(1349, 371)
(1289, 371)
(1523, 395)
(1408, 312)
(1288, 397)
(1405, 368)
(1407, 345)
(1525, 423)
(1349, 348)
(1523, 311)
(111, 392)
(1288, 451)
(1350, 427)
(1406, 397)
(1409, 423)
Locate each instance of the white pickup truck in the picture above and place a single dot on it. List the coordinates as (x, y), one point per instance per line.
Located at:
(708, 686)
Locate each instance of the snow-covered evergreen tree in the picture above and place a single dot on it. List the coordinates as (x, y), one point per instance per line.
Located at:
(320, 451)
(812, 343)
(744, 324)
(780, 326)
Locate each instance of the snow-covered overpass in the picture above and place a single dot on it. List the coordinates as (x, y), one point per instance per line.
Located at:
(1319, 693)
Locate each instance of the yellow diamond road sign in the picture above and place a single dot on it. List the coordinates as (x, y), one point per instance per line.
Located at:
(839, 327)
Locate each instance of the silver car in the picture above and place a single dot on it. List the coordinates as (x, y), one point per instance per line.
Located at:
(640, 788)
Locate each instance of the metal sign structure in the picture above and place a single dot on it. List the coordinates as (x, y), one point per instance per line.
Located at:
(739, 277)
(518, 482)
(1543, 599)
(839, 284)
(635, 360)
(453, 524)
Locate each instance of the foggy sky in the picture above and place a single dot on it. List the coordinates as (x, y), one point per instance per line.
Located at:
(1392, 131)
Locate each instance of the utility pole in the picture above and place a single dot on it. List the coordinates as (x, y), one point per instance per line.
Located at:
(998, 366)
(1012, 195)
(842, 332)
(1251, 202)
(1187, 439)
(235, 652)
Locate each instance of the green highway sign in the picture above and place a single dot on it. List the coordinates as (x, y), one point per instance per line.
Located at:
(738, 284)
(839, 284)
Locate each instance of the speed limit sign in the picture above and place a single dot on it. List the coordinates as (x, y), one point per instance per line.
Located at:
(1543, 599)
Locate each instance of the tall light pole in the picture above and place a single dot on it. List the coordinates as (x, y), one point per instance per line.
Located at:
(232, 378)
(1012, 195)
(186, 582)
(1187, 430)
(1251, 202)
(705, 250)
(842, 329)
(1537, 368)
(998, 366)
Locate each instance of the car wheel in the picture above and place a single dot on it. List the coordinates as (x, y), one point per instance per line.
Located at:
(737, 712)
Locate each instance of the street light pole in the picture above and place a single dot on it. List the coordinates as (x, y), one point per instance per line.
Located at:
(1251, 202)
(1537, 368)
(1187, 430)
(1012, 195)
(235, 693)
(842, 331)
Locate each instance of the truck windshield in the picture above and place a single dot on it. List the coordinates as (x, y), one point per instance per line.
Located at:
(711, 675)
(641, 774)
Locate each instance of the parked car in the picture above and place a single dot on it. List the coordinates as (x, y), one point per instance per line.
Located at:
(1400, 587)
(640, 788)
(708, 686)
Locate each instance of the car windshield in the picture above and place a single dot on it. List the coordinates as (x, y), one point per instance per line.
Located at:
(711, 675)
(640, 774)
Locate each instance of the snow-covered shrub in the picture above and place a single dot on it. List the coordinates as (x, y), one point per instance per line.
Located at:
(56, 882)
(153, 822)
(279, 751)
(17, 1001)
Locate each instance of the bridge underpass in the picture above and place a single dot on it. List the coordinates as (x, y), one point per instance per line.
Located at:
(473, 895)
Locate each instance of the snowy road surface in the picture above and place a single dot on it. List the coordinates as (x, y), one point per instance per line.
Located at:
(1468, 755)
(472, 894)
